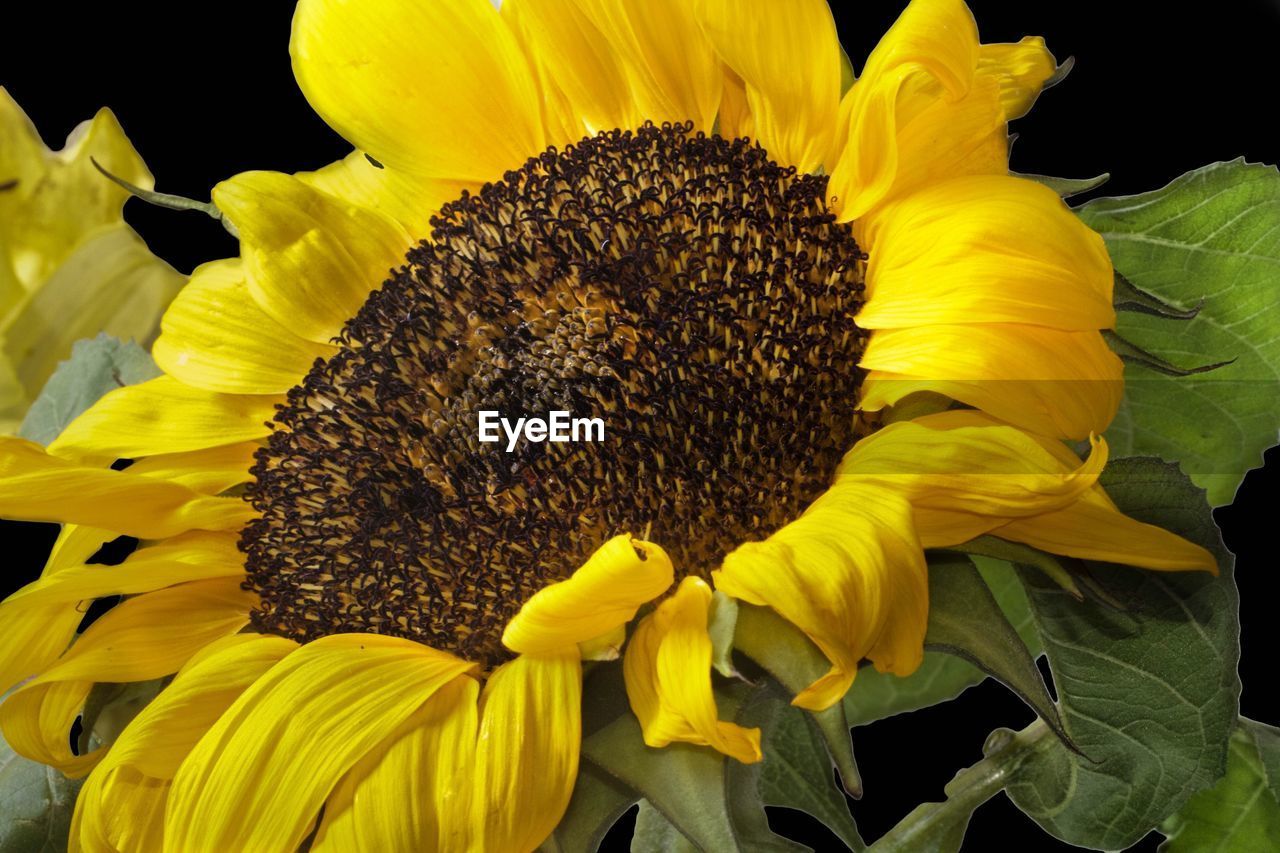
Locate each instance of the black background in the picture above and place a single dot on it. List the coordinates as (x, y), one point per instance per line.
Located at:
(205, 91)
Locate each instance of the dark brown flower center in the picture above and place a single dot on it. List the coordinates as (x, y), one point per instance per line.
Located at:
(691, 294)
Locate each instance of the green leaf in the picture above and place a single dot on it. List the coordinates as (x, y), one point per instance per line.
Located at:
(966, 621)
(597, 803)
(655, 834)
(36, 804)
(796, 771)
(97, 365)
(1149, 694)
(1267, 739)
(1238, 813)
(1212, 235)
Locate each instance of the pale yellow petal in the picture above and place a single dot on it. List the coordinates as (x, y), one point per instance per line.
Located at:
(439, 89)
(668, 676)
(788, 56)
(603, 594)
(258, 779)
(216, 338)
(530, 735)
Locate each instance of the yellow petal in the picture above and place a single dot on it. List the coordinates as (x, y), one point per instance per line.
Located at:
(163, 415)
(59, 197)
(259, 778)
(121, 806)
(412, 791)
(197, 555)
(35, 486)
(1096, 530)
(110, 283)
(311, 258)
(139, 639)
(211, 471)
(530, 735)
(985, 249)
(571, 54)
(671, 68)
(603, 594)
(668, 676)
(216, 338)
(850, 574)
(965, 473)
(1021, 69)
(408, 198)
(734, 119)
(1065, 384)
(439, 89)
(788, 56)
(919, 112)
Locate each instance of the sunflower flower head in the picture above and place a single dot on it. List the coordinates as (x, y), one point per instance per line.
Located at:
(642, 212)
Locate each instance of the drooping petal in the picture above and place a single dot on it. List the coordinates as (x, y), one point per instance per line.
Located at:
(530, 735)
(788, 56)
(964, 473)
(602, 595)
(849, 573)
(121, 806)
(163, 415)
(439, 89)
(1094, 529)
(985, 249)
(260, 776)
(1021, 69)
(412, 791)
(668, 675)
(919, 112)
(137, 640)
(1064, 384)
(216, 338)
(672, 70)
(311, 259)
(35, 486)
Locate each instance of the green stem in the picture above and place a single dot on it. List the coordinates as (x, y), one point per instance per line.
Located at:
(941, 826)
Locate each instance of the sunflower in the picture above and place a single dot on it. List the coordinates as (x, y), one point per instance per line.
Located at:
(825, 332)
(69, 265)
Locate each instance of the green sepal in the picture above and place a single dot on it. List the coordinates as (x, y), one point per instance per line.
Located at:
(1127, 296)
(1067, 187)
(1131, 353)
(169, 201)
(966, 621)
